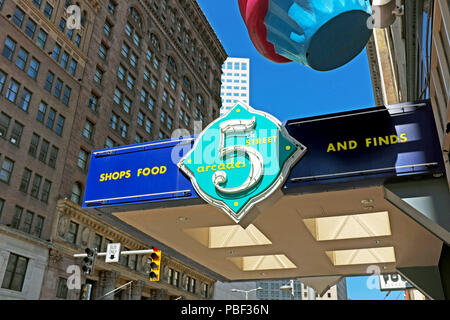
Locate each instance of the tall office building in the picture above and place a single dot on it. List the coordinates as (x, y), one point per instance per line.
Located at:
(336, 292)
(235, 83)
(410, 61)
(132, 72)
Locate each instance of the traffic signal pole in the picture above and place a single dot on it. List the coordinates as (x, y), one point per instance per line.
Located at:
(103, 254)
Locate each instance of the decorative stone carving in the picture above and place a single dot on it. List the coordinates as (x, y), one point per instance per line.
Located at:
(165, 272)
(55, 256)
(63, 225)
(85, 236)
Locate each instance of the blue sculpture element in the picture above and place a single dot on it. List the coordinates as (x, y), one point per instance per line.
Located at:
(322, 34)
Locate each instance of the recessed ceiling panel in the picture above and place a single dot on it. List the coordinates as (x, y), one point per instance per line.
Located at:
(349, 226)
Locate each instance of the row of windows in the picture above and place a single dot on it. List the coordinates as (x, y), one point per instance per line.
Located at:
(47, 154)
(50, 119)
(12, 92)
(234, 88)
(36, 185)
(235, 66)
(69, 64)
(57, 88)
(22, 61)
(234, 94)
(36, 191)
(16, 132)
(234, 81)
(229, 74)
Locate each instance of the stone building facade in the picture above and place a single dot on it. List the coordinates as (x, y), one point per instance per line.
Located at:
(133, 72)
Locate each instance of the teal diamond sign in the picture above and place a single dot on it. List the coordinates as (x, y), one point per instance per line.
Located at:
(240, 160)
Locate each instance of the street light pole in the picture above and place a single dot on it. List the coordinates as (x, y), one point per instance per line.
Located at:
(289, 287)
(246, 291)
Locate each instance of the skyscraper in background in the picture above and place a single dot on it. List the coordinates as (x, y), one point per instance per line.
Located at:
(235, 83)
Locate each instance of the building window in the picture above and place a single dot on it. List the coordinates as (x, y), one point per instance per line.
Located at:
(9, 47)
(39, 226)
(48, 11)
(37, 3)
(46, 187)
(25, 182)
(109, 143)
(73, 232)
(28, 221)
(15, 272)
(56, 52)
(16, 133)
(60, 125)
(36, 186)
(107, 28)
(41, 38)
(88, 130)
(44, 150)
(73, 67)
(176, 278)
(98, 76)
(53, 157)
(205, 290)
(112, 7)
(151, 103)
(148, 126)
(123, 128)
(130, 82)
(170, 276)
(2, 204)
(6, 170)
(82, 159)
(121, 72)
(97, 242)
(18, 16)
(140, 119)
(125, 50)
(66, 96)
(58, 88)
(126, 104)
(33, 69)
(2, 80)
(13, 88)
(15, 222)
(49, 81)
(51, 118)
(75, 196)
(64, 60)
(61, 289)
(138, 138)
(93, 102)
(21, 59)
(102, 51)
(62, 25)
(32, 150)
(113, 121)
(41, 112)
(77, 40)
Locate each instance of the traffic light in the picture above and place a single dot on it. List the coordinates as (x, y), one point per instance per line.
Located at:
(88, 262)
(85, 292)
(155, 264)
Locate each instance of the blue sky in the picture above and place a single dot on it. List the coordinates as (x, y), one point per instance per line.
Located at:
(292, 90)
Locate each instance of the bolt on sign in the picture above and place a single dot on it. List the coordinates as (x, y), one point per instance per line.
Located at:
(240, 161)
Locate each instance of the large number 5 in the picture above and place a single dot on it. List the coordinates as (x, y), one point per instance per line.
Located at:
(237, 126)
